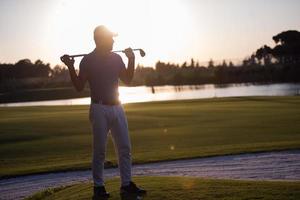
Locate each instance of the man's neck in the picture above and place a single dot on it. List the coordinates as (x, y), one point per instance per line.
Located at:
(101, 52)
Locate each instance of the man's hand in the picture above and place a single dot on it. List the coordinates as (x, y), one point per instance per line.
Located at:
(129, 53)
(67, 60)
(77, 80)
(126, 74)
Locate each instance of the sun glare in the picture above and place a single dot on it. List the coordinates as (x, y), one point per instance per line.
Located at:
(156, 26)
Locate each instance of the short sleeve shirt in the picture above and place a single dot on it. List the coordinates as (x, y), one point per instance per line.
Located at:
(103, 75)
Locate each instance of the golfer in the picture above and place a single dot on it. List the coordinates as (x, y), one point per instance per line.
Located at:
(102, 69)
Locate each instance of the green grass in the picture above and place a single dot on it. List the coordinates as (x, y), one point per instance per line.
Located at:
(178, 188)
(50, 138)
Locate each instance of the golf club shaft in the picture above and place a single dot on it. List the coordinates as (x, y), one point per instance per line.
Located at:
(79, 55)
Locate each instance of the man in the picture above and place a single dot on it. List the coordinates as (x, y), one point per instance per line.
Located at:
(102, 68)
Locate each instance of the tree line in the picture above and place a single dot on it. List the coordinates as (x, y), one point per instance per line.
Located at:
(266, 64)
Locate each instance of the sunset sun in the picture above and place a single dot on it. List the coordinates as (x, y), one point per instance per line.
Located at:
(153, 25)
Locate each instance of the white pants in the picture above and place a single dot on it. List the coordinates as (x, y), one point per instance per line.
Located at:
(104, 118)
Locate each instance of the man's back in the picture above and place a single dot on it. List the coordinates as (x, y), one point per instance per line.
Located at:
(102, 69)
(103, 75)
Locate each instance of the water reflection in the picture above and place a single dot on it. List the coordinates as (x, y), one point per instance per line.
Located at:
(152, 89)
(168, 92)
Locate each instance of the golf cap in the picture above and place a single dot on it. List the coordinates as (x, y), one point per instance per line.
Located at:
(102, 31)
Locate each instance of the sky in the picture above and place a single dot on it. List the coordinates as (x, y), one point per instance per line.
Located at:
(168, 30)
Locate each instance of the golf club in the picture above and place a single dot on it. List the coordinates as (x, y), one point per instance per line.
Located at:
(142, 53)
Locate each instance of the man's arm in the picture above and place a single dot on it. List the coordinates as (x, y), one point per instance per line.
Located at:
(77, 80)
(126, 75)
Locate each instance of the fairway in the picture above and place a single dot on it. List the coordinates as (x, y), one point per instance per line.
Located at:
(50, 138)
(178, 188)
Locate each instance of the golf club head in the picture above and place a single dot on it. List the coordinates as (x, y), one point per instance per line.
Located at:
(142, 52)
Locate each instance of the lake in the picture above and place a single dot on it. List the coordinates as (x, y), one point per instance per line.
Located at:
(168, 92)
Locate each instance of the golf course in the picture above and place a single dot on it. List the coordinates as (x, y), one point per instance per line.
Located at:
(58, 138)
(150, 100)
(178, 188)
(43, 139)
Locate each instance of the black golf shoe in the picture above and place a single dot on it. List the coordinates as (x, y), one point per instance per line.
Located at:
(132, 189)
(100, 193)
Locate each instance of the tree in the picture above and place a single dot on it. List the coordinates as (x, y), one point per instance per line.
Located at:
(197, 64)
(211, 63)
(192, 63)
(224, 64)
(287, 49)
(264, 54)
(290, 38)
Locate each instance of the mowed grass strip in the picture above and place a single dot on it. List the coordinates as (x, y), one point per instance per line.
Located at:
(52, 138)
(178, 188)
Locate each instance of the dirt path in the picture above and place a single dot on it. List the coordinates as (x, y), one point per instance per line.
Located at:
(276, 165)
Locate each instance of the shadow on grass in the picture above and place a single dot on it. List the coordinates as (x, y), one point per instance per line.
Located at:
(131, 197)
(122, 197)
